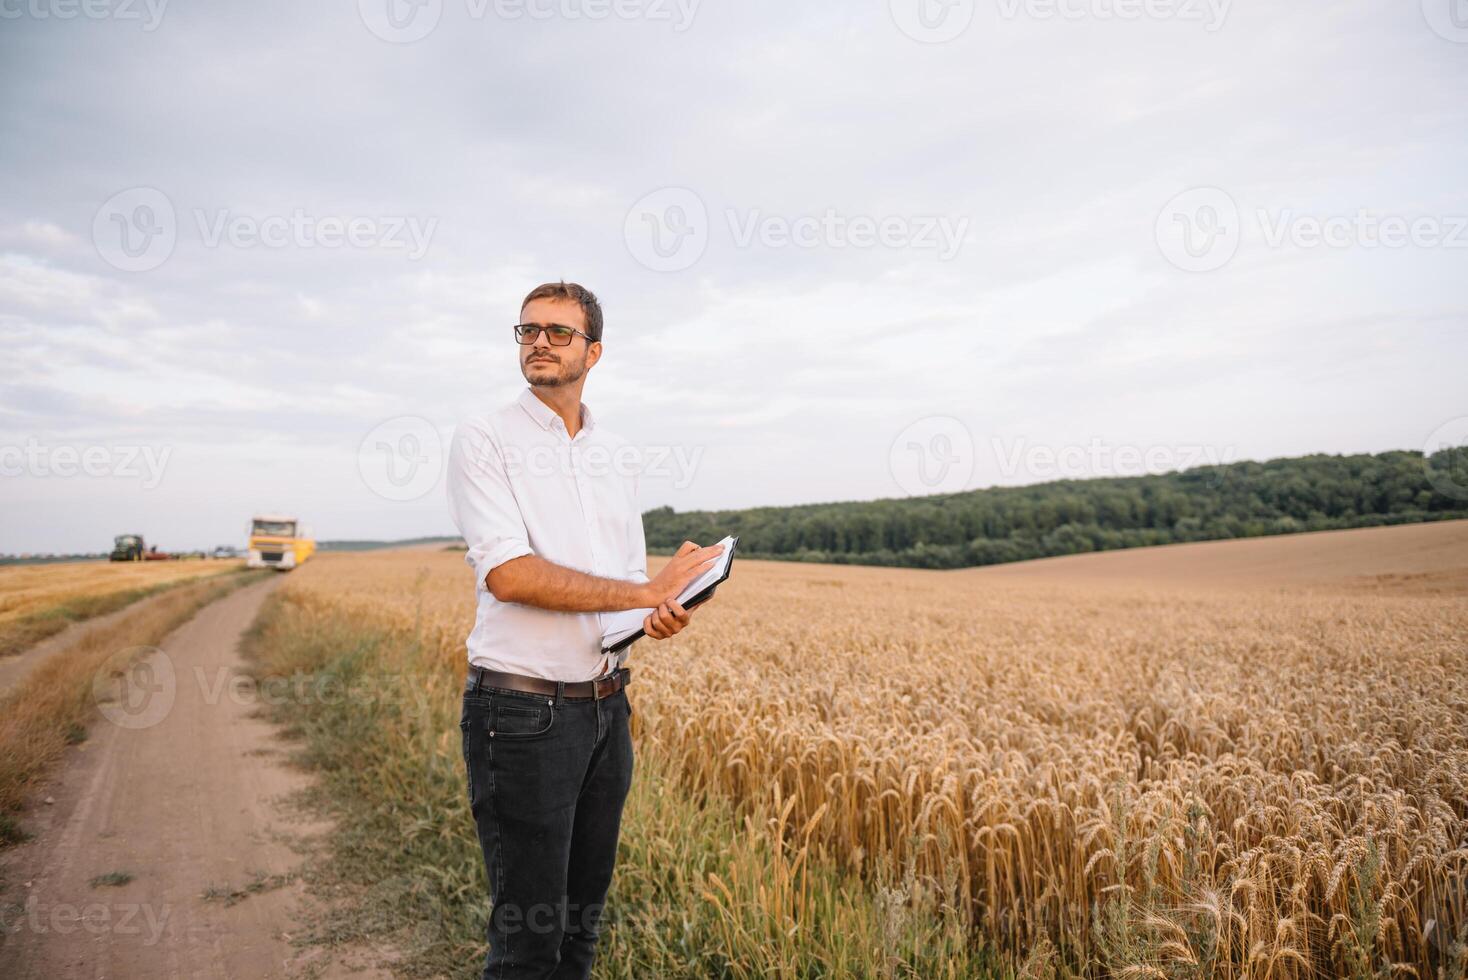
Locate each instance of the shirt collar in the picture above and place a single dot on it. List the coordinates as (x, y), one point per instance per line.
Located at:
(546, 417)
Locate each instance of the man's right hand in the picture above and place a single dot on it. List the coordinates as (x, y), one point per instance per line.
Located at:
(687, 564)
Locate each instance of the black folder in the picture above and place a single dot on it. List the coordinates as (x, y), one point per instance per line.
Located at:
(703, 595)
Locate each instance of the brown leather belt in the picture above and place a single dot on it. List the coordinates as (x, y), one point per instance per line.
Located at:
(603, 687)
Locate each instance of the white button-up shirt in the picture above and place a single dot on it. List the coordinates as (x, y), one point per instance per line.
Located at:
(519, 485)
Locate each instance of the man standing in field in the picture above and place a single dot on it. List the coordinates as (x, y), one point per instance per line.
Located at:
(548, 508)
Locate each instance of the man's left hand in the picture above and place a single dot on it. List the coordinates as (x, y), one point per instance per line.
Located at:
(667, 619)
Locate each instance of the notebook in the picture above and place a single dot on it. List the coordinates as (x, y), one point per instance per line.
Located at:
(622, 627)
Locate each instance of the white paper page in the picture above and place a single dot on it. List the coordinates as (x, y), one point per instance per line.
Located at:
(619, 625)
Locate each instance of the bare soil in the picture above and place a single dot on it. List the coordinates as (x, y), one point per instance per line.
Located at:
(168, 849)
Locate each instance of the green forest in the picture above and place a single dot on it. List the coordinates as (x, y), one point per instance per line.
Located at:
(1003, 524)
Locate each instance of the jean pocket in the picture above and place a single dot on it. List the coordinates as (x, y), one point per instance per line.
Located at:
(521, 718)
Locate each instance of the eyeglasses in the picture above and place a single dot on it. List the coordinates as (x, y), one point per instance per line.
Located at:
(557, 334)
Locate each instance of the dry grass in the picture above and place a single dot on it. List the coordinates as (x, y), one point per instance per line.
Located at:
(37, 601)
(52, 706)
(700, 891)
(1140, 776)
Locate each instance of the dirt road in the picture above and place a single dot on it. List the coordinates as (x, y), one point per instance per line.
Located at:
(13, 669)
(184, 795)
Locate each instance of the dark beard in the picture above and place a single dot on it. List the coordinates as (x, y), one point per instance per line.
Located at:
(567, 374)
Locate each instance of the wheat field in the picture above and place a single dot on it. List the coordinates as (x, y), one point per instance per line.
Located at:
(37, 601)
(29, 589)
(1113, 764)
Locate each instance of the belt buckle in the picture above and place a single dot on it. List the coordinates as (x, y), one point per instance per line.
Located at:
(610, 680)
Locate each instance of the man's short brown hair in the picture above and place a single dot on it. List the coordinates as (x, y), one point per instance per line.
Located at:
(576, 293)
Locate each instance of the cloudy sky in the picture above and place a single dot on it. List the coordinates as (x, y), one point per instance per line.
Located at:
(262, 256)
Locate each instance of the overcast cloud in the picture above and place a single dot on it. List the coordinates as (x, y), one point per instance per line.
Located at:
(262, 256)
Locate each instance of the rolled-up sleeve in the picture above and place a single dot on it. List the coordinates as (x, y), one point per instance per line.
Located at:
(481, 502)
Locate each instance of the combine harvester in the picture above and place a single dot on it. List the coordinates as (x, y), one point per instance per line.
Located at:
(132, 547)
(278, 542)
(127, 547)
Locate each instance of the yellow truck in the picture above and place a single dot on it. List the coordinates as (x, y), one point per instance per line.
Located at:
(278, 542)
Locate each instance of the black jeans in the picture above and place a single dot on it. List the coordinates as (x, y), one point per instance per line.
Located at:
(547, 781)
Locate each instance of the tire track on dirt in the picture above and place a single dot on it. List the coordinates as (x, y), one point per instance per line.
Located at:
(186, 797)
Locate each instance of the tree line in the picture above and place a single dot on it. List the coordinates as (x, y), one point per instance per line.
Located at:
(1003, 524)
